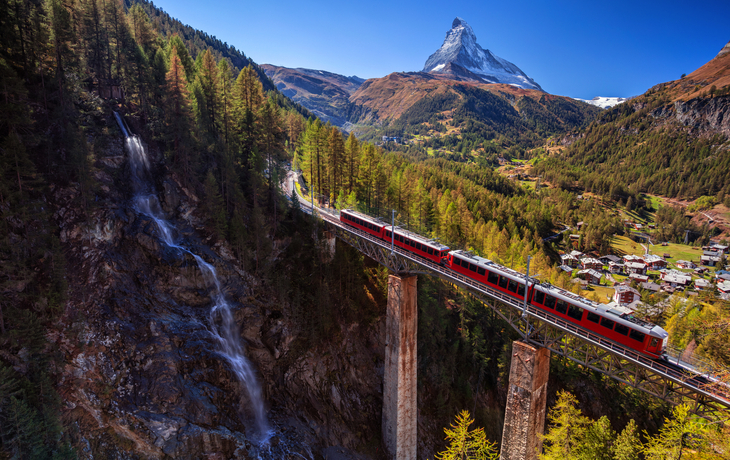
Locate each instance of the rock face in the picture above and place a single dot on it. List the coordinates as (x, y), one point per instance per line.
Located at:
(143, 377)
(462, 57)
(704, 116)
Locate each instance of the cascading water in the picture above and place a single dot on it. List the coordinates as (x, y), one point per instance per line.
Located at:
(222, 324)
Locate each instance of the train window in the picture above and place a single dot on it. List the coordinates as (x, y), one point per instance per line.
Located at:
(430, 251)
(503, 281)
(512, 286)
(521, 290)
(412, 243)
(492, 278)
(550, 301)
(539, 297)
(457, 261)
(418, 246)
(607, 323)
(654, 342)
(561, 306)
(480, 270)
(636, 335)
(621, 329)
(575, 312)
(473, 267)
(592, 317)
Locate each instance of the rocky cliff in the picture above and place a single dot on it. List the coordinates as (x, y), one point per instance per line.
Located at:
(142, 375)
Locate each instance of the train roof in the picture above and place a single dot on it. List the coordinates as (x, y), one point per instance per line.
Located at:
(374, 220)
(617, 313)
(422, 239)
(489, 264)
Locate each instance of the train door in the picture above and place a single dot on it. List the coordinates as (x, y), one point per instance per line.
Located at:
(654, 345)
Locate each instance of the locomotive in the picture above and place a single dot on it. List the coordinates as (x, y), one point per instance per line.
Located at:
(616, 324)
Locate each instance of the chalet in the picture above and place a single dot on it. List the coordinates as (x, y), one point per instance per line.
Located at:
(574, 237)
(625, 294)
(638, 226)
(710, 260)
(675, 278)
(686, 264)
(633, 258)
(566, 268)
(701, 270)
(667, 255)
(639, 278)
(579, 225)
(637, 268)
(654, 262)
(701, 283)
(615, 267)
(722, 277)
(591, 263)
(724, 287)
(570, 260)
(653, 287)
(577, 254)
(609, 258)
(590, 275)
(716, 247)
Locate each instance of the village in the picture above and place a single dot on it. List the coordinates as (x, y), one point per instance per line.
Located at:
(632, 275)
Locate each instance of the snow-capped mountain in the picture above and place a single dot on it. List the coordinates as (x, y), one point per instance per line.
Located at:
(604, 102)
(462, 56)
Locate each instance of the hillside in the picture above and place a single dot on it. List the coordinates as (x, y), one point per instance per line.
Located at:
(197, 41)
(671, 141)
(499, 115)
(326, 94)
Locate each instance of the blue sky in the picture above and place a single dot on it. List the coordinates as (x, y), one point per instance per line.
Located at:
(572, 48)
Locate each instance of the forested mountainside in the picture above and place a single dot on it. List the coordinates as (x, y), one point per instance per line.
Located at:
(674, 140)
(198, 41)
(484, 119)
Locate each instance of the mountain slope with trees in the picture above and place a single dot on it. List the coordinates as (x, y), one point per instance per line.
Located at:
(674, 140)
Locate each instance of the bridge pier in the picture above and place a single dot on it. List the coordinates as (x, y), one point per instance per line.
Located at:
(524, 419)
(400, 412)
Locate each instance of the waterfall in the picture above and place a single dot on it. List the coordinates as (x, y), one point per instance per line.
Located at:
(222, 324)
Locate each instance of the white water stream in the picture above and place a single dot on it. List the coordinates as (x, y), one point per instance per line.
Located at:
(222, 323)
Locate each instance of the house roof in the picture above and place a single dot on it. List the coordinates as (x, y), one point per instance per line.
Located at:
(591, 272)
(650, 286)
(611, 258)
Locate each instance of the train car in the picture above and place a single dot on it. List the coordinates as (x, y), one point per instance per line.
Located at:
(429, 249)
(363, 222)
(615, 323)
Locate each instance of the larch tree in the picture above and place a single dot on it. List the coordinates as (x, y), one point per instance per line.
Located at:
(351, 162)
(177, 113)
(566, 431)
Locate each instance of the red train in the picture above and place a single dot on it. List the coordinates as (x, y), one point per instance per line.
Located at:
(616, 324)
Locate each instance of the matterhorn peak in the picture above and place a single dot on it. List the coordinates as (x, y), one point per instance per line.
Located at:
(461, 56)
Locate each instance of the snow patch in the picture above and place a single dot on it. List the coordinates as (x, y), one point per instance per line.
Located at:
(603, 102)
